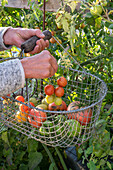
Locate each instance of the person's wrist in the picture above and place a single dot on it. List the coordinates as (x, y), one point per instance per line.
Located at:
(25, 64)
(8, 36)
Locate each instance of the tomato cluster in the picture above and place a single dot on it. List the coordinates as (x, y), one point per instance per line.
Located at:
(54, 95)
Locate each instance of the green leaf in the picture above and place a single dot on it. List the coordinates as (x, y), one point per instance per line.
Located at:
(5, 138)
(32, 145)
(89, 150)
(34, 159)
(91, 165)
(23, 167)
(65, 24)
(102, 162)
(111, 152)
(111, 26)
(52, 166)
(4, 2)
(109, 165)
(109, 40)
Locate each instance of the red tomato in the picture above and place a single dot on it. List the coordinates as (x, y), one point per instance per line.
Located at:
(5, 97)
(53, 107)
(49, 89)
(84, 117)
(59, 91)
(63, 106)
(36, 117)
(62, 81)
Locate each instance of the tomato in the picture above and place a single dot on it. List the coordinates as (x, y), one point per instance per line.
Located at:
(63, 106)
(53, 33)
(49, 89)
(96, 10)
(49, 99)
(44, 101)
(73, 127)
(84, 117)
(44, 106)
(46, 128)
(82, 25)
(60, 119)
(20, 98)
(21, 117)
(103, 2)
(52, 40)
(58, 100)
(5, 97)
(53, 107)
(59, 129)
(33, 100)
(59, 91)
(62, 81)
(73, 106)
(24, 108)
(36, 117)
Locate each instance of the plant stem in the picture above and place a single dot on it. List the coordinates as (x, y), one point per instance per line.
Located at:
(61, 159)
(50, 156)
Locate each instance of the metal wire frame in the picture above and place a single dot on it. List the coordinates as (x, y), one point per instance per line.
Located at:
(60, 128)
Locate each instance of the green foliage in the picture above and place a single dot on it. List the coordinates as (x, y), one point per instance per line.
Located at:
(90, 40)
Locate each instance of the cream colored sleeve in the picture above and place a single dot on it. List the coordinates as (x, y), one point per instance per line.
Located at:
(2, 45)
(12, 76)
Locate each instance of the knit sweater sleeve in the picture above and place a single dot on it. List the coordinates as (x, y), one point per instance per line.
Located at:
(2, 45)
(12, 76)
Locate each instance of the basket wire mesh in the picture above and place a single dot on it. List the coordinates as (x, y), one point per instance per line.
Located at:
(62, 128)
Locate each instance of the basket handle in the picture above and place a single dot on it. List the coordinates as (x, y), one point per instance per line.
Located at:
(29, 44)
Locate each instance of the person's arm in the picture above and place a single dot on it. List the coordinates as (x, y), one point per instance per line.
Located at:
(14, 72)
(12, 76)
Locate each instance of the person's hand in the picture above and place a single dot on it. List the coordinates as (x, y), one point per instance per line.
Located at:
(42, 65)
(16, 36)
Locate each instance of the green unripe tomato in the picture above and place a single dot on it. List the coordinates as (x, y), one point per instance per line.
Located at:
(73, 127)
(96, 10)
(58, 100)
(103, 2)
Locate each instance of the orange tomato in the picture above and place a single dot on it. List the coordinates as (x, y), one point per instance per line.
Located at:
(24, 108)
(52, 40)
(21, 117)
(20, 99)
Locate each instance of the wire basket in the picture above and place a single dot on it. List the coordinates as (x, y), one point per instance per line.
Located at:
(65, 128)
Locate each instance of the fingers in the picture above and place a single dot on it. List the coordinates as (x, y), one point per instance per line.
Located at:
(40, 46)
(52, 62)
(42, 65)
